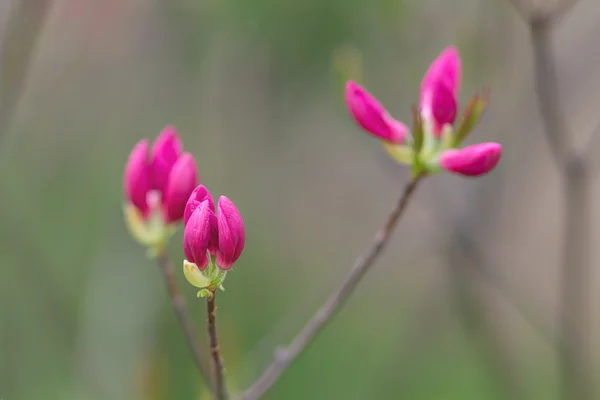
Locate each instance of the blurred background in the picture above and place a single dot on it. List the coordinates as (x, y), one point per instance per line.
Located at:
(463, 304)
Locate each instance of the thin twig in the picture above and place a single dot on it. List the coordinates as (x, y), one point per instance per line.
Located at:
(285, 357)
(184, 319)
(218, 367)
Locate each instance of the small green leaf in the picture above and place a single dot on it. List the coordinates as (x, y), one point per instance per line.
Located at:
(471, 116)
(417, 130)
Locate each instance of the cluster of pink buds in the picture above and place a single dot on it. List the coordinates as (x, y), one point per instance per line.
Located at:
(434, 140)
(212, 242)
(157, 184)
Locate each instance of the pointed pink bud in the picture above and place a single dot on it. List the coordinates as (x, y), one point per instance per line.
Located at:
(196, 236)
(199, 194)
(370, 115)
(165, 152)
(182, 180)
(443, 108)
(137, 180)
(442, 80)
(232, 235)
(474, 160)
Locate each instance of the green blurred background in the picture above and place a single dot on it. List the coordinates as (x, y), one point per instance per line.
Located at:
(255, 88)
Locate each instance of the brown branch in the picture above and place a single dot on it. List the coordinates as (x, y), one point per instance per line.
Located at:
(285, 357)
(184, 320)
(218, 367)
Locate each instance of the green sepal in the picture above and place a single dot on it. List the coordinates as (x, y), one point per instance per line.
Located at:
(401, 153)
(471, 116)
(152, 232)
(205, 293)
(432, 167)
(209, 280)
(447, 138)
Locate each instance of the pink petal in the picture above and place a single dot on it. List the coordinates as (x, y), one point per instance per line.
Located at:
(165, 152)
(232, 235)
(196, 236)
(182, 180)
(474, 160)
(443, 108)
(370, 115)
(444, 72)
(199, 194)
(137, 178)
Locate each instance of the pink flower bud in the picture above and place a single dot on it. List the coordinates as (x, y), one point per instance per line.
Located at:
(232, 235)
(474, 160)
(443, 108)
(165, 152)
(197, 235)
(199, 194)
(180, 184)
(138, 179)
(439, 89)
(371, 116)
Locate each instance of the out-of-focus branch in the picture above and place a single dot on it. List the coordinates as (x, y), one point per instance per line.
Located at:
(187, 326)
(550, 13)
(575, 355)
(592, 150)
(547, 91)
(482, 266)
(473, 310)
(25, 24)
(285, 357)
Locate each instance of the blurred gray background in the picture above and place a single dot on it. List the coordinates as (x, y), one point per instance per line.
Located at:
(462, 305)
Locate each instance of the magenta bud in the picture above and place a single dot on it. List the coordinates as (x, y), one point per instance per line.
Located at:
(199, 194)
(370, 115)
(443, 105)
(138, 179)
(180, 184)
(232, 235)
(440, 87)
(474, 160)
(197, 235)
(165, 152)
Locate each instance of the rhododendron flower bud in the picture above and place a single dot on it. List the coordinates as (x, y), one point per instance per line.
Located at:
(181, 182)
(434, 139)
(158, 182)
(443, 108)
(199, 194)
(165, 152)
(138, 176)
(212, 243)
(232, 235)
(474, 160)
(440, 88)
(197, 235)
(372, 116)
